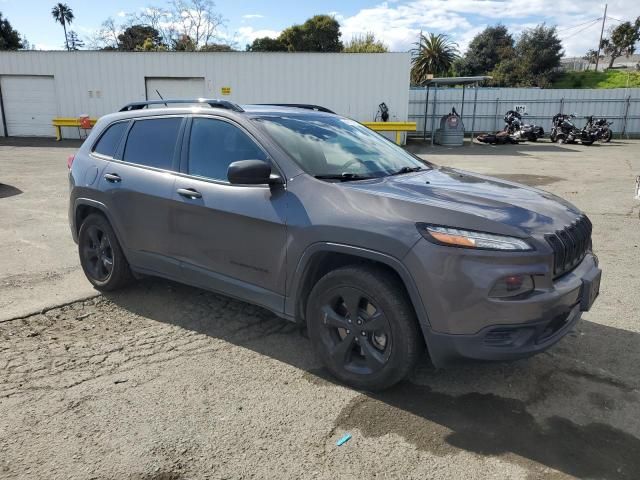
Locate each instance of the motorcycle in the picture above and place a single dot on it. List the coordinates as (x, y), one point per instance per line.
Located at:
(518, 130)
(600, 127)
(563, 130)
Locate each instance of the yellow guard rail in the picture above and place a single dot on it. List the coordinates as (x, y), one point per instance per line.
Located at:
(397, 127)
(68, 122)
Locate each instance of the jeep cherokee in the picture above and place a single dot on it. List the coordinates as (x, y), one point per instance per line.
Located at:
(325, 222)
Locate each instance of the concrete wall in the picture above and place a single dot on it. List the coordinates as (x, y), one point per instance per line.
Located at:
(541, 105)
(96, 82)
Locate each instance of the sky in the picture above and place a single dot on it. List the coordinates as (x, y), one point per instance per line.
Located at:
(396, 22)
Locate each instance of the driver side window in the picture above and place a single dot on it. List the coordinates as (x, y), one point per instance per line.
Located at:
(215, 144)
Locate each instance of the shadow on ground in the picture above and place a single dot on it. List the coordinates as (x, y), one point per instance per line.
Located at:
(8, 191)
(39, 142)
(441, 411)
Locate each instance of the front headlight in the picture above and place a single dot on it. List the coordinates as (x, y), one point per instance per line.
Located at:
(456, 237)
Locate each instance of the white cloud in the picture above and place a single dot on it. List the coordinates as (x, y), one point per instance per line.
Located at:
(248, 34)
(46, 46)
(122, 14)
(398, 23)
(249, 16)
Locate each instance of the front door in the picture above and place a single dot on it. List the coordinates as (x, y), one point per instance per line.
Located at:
(230, 238)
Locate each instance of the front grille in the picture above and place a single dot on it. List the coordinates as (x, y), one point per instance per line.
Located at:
(570, 245)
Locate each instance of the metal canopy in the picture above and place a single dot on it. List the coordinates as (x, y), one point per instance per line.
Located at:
(457, 80)
(450, 81)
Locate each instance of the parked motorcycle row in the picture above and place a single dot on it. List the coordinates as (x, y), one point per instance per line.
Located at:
(563, 130)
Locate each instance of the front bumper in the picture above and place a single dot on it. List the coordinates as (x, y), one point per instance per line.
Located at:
(465, 323)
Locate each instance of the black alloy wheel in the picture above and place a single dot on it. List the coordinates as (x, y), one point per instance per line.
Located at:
(101, 256)
(97, 253)
(356, 332)
(363, 326)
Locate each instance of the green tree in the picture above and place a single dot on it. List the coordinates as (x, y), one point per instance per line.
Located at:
(366, 43)
(320, 33)
(534, 62)
(591, 57)
(135, 36)
(150, 46)
(184, 43)
(433, 55)
(63, 15)
(486, 50)
(622, 40)
(9, 38)
(267, 44)
(216, 47)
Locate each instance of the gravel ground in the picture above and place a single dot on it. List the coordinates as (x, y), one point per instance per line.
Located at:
(164, 381)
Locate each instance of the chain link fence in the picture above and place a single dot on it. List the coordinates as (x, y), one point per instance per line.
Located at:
(621, 106)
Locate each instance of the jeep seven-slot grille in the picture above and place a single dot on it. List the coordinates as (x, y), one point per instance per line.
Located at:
(570, 245)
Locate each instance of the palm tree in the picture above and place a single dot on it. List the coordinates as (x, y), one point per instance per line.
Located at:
(433, 55)
(63, 14)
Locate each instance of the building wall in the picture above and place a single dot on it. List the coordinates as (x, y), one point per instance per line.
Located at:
(620, 105)
(97, 82)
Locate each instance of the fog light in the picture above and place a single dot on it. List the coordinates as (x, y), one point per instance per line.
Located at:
(512, 286)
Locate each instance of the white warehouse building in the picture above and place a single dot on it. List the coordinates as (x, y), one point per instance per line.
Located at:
(36, 87)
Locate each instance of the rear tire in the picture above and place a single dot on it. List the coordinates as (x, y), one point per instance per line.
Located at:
(101, 256)
(363, 327)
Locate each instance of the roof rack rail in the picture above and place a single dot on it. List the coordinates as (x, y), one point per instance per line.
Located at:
(306, 106)
(212, 102)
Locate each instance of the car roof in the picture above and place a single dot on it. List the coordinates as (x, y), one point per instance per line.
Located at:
(251, 109)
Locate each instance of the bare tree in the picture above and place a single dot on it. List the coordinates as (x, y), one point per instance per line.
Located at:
(198, 20)
(106, 38)
(161, 19)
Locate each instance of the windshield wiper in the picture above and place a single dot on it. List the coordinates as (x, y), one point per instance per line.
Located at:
(343, 177)
(407, 170)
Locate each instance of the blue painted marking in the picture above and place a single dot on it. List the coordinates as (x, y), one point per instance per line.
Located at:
(344, 440)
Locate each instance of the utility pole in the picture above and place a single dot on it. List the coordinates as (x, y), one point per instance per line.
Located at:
(604, 18)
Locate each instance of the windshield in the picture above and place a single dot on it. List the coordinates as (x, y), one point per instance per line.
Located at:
(327, 146)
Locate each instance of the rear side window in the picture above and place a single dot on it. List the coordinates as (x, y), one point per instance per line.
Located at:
(110, 139)
(152, 142)
(215, 144)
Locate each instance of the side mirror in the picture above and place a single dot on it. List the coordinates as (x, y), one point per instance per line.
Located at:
(252, 172)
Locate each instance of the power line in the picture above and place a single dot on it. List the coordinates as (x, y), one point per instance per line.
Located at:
(579, 25)
(592, 24)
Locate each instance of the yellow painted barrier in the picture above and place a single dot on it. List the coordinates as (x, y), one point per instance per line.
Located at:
(68, 122)
(397, 127)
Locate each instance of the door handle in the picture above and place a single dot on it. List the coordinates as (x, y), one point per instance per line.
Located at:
(189, 193)
(112, 177)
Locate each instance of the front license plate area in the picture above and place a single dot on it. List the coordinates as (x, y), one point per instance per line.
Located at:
(590, 290)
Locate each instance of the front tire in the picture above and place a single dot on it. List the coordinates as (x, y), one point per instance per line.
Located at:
(101, 257)
(363, 327)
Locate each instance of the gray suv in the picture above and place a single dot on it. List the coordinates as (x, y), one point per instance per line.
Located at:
(325, 222)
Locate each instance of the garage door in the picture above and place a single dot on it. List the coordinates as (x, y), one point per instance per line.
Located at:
(187, 87)
(29, 105)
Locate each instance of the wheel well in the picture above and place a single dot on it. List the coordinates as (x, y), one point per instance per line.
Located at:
(82, 212)
(324, 262)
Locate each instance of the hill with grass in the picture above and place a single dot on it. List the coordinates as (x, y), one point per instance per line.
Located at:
(589, 79)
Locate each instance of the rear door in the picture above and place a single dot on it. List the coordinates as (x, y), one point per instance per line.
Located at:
(230, 237)
(138, 188)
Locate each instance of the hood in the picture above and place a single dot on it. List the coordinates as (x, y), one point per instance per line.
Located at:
(532, 210)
